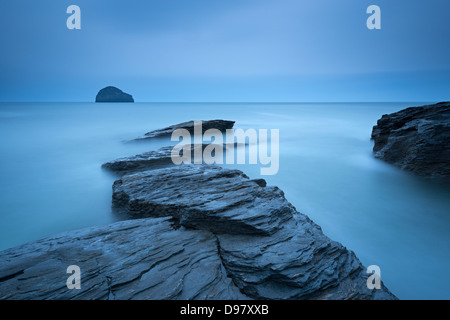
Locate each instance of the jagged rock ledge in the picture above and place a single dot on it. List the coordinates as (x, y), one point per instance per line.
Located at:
(416, 139)
(270, 250)
(196, 232)
(209, 233)
(220, 125)
(160, 158)
(135, 259)
(204, 197)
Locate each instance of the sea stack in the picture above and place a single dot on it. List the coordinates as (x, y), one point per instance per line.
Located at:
(113, 94)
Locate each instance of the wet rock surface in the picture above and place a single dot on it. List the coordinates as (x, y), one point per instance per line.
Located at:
(416, 139)
(152, 159)
(163, 157)
(220, 125)
(135, 259)
(146, 160)
(190, 232)
(270, 250)
(204, 197)
(211, 233)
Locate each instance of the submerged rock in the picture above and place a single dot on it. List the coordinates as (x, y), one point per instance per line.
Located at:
(416, 139)
(221, 125)
(113, 94)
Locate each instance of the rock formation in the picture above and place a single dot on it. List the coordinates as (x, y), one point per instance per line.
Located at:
(208, 233)
(270, 250)
(159, 158)
(221, 125)
(190, 232)
(416, 139)
(135, 259)
(113, 94)
(204, 197)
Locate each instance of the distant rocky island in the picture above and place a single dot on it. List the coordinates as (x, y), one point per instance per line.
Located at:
(190, 232)
(113, 94)
(416, 139)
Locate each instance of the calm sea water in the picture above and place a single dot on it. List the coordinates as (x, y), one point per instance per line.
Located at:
(51, 180)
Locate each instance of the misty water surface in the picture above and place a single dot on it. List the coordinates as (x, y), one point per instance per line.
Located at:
(52, 181)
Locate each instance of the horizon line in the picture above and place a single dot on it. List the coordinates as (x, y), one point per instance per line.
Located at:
(233, 102)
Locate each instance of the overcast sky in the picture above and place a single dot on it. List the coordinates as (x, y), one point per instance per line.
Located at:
(233, 50)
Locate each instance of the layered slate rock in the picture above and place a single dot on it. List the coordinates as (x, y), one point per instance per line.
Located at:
(146, 160)
(204, 197)
(152, 159)
(270, 250)
(208, 233)
(161, 157)
(137, 259)
(221, 125)
(297, 262)
(211, 233)
(416, 139)
(113, 94)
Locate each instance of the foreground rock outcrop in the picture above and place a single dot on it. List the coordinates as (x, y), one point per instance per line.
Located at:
(206, 198)
(270, 250)
(137, 259)
(416, 139)
(209, 233)
(113, 94)
(190, 232)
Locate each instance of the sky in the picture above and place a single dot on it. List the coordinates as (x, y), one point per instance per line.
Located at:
(226, 51)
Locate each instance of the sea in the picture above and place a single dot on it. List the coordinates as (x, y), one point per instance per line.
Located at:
(51, 178)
